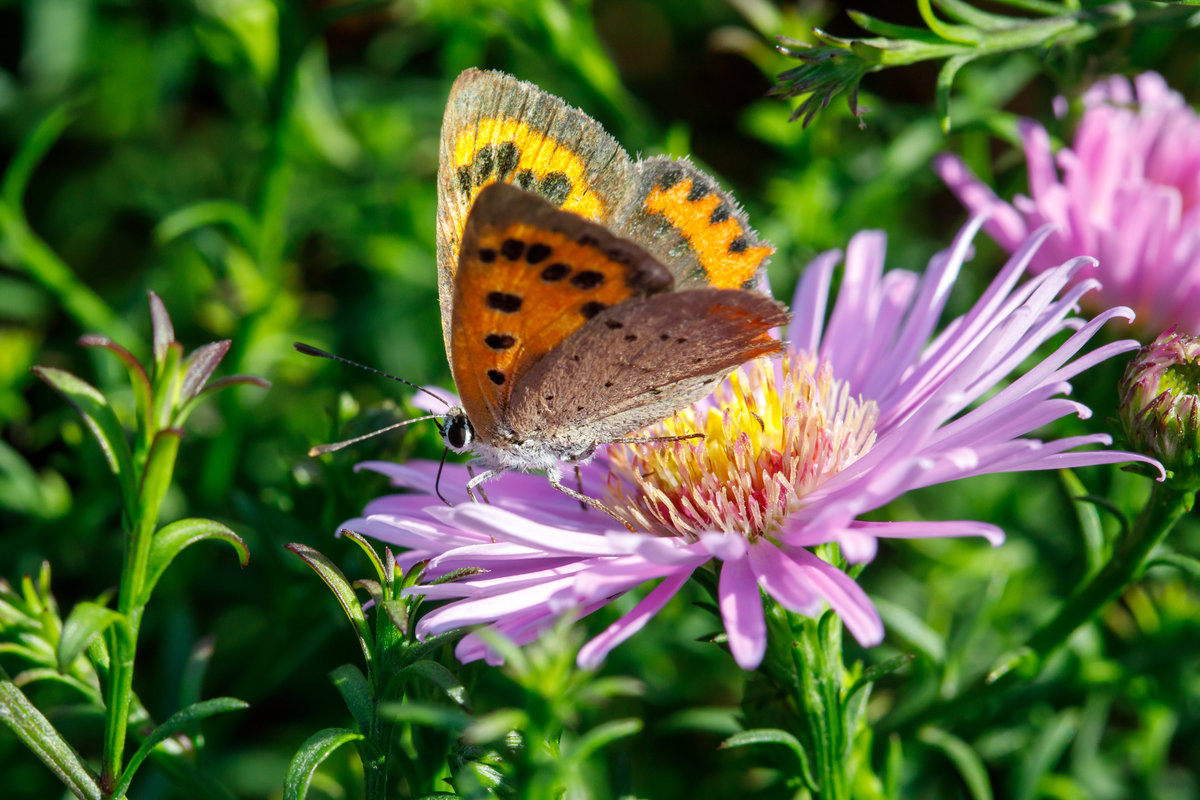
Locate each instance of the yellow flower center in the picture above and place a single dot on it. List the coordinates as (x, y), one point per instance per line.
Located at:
(773, 432)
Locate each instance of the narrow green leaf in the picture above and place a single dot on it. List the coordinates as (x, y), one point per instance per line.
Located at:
(172, 539)
(496, 726)
(1186, 564)
(779, 737)
(450, 719)
(440, 677)
(969, 764)
(216, 212)
(893, 768)
(603, 735)
(200, 366)
(28, 676)
(137, 374)
(945, 82)
(315, 749)
(101, 421)
(342, 589)
(1044, 752)
(32, 151)
(356, 693)
(156, 477)
(32, 728)
(163, 332)
(1088, 517)
(176, 722)
(366, 547)
(912, 629)
(877, 671)
(85, 621)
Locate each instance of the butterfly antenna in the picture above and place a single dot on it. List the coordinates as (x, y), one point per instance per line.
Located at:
(309, 350)
(322, 449)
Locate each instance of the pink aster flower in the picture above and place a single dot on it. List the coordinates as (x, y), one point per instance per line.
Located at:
(1128, 194)
(860, 410)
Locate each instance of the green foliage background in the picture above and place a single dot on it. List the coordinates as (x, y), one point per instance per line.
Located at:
(267, 210)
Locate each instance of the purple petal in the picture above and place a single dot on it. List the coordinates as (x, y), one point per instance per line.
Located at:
(742, 613)
(598, 648)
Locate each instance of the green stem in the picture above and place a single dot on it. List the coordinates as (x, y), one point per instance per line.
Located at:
(1127, 563)
(819, 667)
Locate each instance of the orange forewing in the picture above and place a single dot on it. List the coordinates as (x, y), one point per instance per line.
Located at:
(526, 280)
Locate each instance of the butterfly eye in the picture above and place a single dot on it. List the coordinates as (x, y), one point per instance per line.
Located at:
(458, 433)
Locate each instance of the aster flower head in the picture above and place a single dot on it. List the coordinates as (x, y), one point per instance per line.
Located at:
(861, 409)
(1127, 191)
(1160, 405)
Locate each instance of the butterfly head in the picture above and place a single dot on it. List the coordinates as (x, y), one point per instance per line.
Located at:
(457, 432)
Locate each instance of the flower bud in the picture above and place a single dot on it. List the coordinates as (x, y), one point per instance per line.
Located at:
(1160, 405)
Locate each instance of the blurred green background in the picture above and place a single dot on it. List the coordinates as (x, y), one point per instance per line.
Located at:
(269, 170)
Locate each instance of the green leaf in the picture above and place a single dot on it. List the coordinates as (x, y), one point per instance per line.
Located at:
(779, 737)
(1044, 752)
(200, 366)
(100, 419)
(496, 726)
(156, 477)
(893, 768)
(85, 621)
(32, 728)
(172, 539)
(342, 590)
(137, 374)
(964, 758)
(912, 629)
(356, 693)
(440, 677)
(163, 332)
(603, 735)
(945, 82)
(450, 719)
(1186, 564)
(215, 212)
(1089, 520)
(315, 749)
(366, 547)
(32, 151)
(877, 671)
(177, 721)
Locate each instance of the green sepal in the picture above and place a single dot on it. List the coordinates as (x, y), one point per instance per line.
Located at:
(366, 547)
(85, 621)
(352, 685)
(342, 589)
(103, 423)
(199, 367)
(176, 722)
(315, 749)
(172, 539)
(162, 332)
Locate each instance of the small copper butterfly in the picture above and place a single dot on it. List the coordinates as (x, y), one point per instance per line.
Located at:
(584, 295)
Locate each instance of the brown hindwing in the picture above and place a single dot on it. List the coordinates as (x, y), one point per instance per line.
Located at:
(640, 362)
(530, 276)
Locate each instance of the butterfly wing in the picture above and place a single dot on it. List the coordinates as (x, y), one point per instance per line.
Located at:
(499, 129)
(639, 362)
(680, 216)
(529, 276)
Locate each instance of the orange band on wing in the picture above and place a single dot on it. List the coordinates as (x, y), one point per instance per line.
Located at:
(721, 247)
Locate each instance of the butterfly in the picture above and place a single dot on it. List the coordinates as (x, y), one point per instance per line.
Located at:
(584, 295)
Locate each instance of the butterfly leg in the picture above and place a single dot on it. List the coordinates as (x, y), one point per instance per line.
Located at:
(556, 482)
(654, 439)
(480, 478)
(579, 485)
(473, 482)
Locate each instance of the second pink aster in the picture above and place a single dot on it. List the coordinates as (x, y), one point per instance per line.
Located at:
(1126, 192)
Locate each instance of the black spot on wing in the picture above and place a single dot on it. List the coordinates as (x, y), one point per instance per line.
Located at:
(670, 177)
(587, 279)
(496, 376)
(463, 179)
(537, 253)
(507, 156)
(504, 302)
(512, 249)
(484, 164)
(719, 214)
(555, 187)
(591, 309)
(698, 191)
(739, 245)
(555, 272)
(499, 341)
